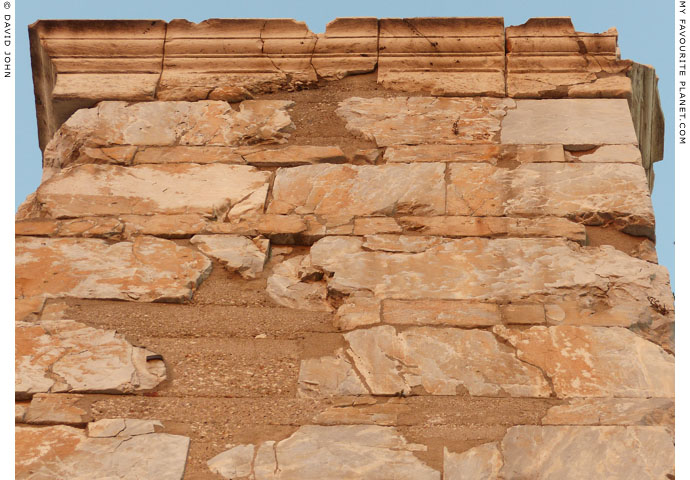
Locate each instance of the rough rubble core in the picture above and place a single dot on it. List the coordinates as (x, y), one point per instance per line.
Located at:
(417, 248)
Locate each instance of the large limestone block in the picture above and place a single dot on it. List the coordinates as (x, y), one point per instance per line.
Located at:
(313, 452)
(68, 356)
(210, 190)
(595, 361)
(360, 190)
(66, 452)
(569, 122)
(443, 361)
(490, 270)
(147, 269)
(559, 452)
(592, 193)
(422, 120)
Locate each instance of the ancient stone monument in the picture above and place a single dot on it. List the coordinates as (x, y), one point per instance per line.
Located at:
(401, 249)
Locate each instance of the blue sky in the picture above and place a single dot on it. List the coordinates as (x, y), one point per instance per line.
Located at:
(645, 35)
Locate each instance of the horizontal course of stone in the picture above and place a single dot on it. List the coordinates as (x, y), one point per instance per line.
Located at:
(455, 278)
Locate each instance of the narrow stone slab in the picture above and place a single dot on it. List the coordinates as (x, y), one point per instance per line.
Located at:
(238, 254)
(210, 190)
(482, 462)
(66, 452)
(346, 452)
(569, 122)
(595, 361)
(295, 155)
(440, 312)
(595, 194)
(619, 453)
(613, 411)
(360, 190)
(441, 360)
(422, 120)
(68, 356)
(608, 154)
(148, 269)
(187, 154)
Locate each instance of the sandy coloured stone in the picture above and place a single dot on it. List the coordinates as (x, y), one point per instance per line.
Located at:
(121, 427)
(592, 193)
(442, 153)
(399, 243)
(458, 226)
(332, 375)
(28, 308)
(345, 452)
(422, 120)
(481, 463)
(569, 122)
(295, 155)
(523, 314)
(188, 154)
(612, 452)
(166, 226)
(613, 411)
(357, 311)
(595, 361)
(282, 226)
(233, 463)
(286, 287)
(440, 312)
(360, 190)
(66, 452)
(66, 409)
(445, 84)
(374, 225)
(441, 360)
(608, 154)
(19, 411)
(147, 269)
(237, 253)
(202, 123)
(210, 190)
(68, 356)
(496, 270)
(362, 411)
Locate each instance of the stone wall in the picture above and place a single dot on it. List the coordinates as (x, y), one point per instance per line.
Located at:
(405, 248)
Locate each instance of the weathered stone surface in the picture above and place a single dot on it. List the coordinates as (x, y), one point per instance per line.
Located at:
(65, 409)
(167, 226)
(238, 254)
(210, 190)
(491, 270)
(567, 84)
(591, 452)
(608, 154)
(28, 308)
(286, 286)
(440, 312)
(363, 411)
(147, 269)
(421, 120)
(400, 243)
(295, 155)
(121, 427)
(595, 361)
(68, 356)
(360, 190)
(356, 311)
(20, 409)
(466, 226)
(233, 463)
(374, 225)
(442, 153)
(482, 463)
(569, 122)
(329, 376)
(447, 84)
(592, 193)
(347, 452)
(187, 154)
(210, 123)
(441, 360)
(66, 452)
(613, 411)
